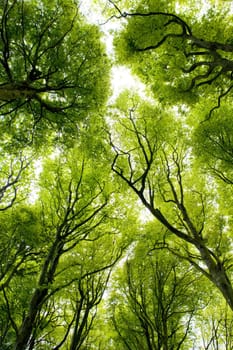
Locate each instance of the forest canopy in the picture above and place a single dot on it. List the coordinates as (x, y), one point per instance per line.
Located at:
(116, 206)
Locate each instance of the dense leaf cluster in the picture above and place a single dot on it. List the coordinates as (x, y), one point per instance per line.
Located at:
(116, 215)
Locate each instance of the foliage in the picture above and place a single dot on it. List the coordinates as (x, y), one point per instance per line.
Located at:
(51, 69)
(177, 53)
(115, 215)
(159, 304)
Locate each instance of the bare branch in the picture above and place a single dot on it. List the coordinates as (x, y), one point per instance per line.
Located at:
(225, 93)
(218, 65)
(9, 189)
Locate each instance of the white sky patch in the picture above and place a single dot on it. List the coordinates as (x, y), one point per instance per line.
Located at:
(145, 216)
(122, 79)
(55, 154)
(121, 76)
(38, 168)
(34, 188)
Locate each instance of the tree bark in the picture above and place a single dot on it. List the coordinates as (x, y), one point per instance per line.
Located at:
(14, 91)
(39, 295)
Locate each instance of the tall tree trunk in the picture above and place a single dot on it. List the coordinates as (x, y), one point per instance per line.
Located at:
(29, 321)
(39, 295)
(14, 91)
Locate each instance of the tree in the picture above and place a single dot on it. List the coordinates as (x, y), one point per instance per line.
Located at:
(154, 299)
(84, 263)
(64, 261)
(191, 55)
(52, 65)
(160, 169)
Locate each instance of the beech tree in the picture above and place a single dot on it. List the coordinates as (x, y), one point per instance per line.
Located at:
(191, 57)
(61, 259)
(154, 165)
(159, 299)
(53, 69)
(156, 162)
(115, 215)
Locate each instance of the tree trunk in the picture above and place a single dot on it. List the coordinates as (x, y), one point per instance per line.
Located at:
(218, 275)
(29, 321)
(39, 295)
(14, 91)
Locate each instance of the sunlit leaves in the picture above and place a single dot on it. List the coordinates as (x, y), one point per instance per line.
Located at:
(145, 183)
(176, 54)
(51, 69)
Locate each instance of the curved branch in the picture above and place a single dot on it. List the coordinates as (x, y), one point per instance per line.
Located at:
(151, 47)
(214, 49)
(219, 103)
(5, 39)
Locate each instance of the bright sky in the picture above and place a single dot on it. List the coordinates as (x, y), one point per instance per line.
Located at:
(121, 76)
